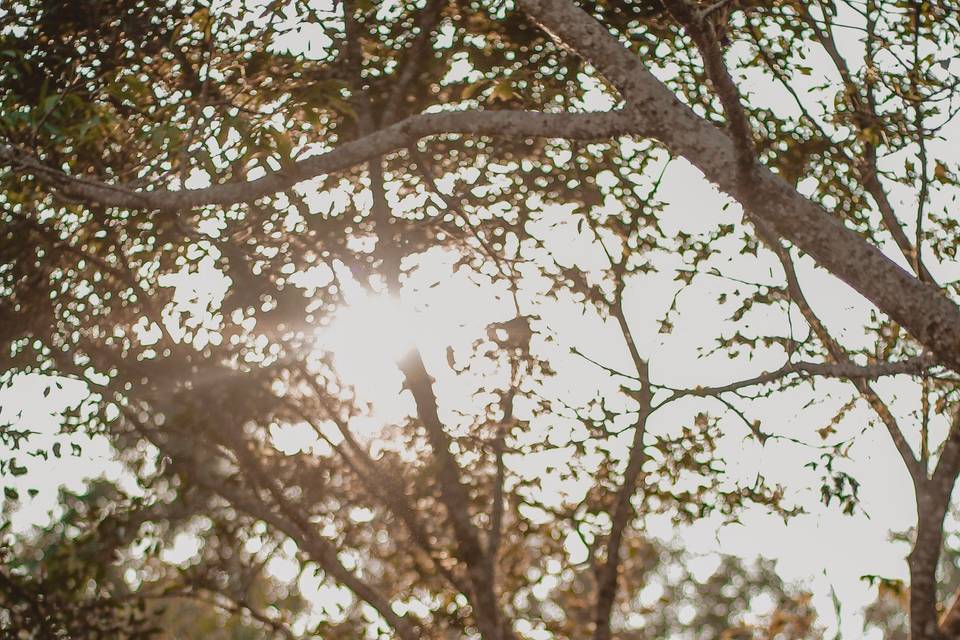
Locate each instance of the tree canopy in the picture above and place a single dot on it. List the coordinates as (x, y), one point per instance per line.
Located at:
(403, 301)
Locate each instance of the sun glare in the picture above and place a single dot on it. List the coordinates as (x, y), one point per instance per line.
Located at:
(440, 307)
(369, 337)
(372, 328)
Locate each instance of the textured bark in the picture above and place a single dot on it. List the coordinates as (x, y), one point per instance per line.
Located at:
(923, 568)
(930, 317)
(588, 126)
(933, 500)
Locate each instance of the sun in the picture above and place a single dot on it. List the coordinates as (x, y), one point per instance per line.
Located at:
(369, 336)
(372, 329)
(439, 308)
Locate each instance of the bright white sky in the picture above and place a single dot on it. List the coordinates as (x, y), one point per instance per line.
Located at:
(823, 549)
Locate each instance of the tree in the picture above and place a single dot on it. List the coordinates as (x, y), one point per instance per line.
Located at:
(890, 611)
(216, 594)
(309, 157)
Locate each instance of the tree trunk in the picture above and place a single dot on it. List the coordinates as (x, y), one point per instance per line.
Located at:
(923, 559)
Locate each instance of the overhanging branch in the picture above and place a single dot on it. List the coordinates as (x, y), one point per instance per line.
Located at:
(517, 124)
(846, 370)
(923, 310)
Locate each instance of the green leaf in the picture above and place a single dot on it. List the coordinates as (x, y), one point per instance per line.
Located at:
(502, 91)
(472, 89)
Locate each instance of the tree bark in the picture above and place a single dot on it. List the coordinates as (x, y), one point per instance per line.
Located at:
(922, 309)
(923, 561)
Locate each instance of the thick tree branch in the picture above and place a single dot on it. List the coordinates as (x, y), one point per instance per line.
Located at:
(521, 124)
(933, 500)
(741, 133)
(929, 316)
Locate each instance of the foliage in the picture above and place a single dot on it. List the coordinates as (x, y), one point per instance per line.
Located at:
(197, 330)
(218, 594)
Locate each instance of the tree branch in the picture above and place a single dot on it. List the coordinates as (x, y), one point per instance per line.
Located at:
(623, 511)
(456, 499)
(917, 472)
(383, 141)
(320, 550)
(848, 369)
(387, 490)
(933, 500)
(929, 316)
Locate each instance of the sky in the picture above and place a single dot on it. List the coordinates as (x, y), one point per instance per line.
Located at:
(824, 549)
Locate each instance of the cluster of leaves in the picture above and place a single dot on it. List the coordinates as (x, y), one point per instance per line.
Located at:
(100, 569)
(98, 572)
(735, 601)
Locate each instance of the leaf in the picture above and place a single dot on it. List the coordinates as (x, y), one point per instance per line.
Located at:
(284, 145)
(940, 173)
(502, 91)
(472, 89)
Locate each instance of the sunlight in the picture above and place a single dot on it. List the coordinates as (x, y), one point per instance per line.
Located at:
(370, 329)
(439, 307)
(367, 339)
(440, 310)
